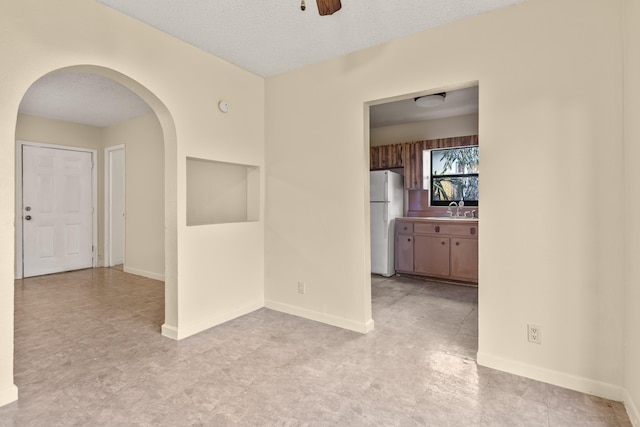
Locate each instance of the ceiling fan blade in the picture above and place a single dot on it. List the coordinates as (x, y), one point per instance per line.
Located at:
(328, 7)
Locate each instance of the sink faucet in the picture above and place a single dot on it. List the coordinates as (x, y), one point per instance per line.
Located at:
(450, 212)
(458, 206)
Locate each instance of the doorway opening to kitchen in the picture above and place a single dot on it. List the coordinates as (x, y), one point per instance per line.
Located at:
(424, 253)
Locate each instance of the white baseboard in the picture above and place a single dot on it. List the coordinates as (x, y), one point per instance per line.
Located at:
(561, 379)
(170, 331)
(144, 273)
(340, 322)
(632, 409)
(183, 331)
(8, 395)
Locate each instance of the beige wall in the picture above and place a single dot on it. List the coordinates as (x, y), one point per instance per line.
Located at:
(48, 131)
(143, 140)
(632, 154)
(207, 279)
(144, 193)
(551, 94)
(425, 130)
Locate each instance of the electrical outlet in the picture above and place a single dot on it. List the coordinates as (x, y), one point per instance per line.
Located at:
(301, 288)
(534, 334)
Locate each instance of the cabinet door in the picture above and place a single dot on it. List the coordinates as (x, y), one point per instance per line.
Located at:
(375, 158)
(396, 159)
(386, 156)
(464, 258)
(404, 252)
(412, 161)
(431, 255)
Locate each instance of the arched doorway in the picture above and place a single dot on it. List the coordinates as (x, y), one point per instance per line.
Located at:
(168, 137)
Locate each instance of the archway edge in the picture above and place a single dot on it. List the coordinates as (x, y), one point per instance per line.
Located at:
(170, 181)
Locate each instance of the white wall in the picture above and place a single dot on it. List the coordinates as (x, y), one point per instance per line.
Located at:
(632, 154)
(144, 193)
(425, 130)
(551, 250)
(211, 275)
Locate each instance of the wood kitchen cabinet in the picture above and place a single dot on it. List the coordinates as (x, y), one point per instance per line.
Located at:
(386, 156)
(413, 165)
(408, 155)
(431, 255)
(440, 248)
(464, 258)
(404, 252)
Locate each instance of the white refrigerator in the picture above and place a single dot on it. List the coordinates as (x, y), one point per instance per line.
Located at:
(387, 203)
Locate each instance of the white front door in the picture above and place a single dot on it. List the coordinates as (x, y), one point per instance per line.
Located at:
(57, 212)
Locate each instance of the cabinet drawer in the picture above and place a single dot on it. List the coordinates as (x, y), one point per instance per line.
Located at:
(404, 227)
(438, 228)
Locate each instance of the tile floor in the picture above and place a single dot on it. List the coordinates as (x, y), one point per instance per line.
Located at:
(89, 353)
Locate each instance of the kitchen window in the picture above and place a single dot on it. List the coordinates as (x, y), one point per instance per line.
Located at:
(451, 175)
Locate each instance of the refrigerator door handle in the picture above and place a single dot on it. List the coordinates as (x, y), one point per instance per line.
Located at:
(385, 214)
(386, 188)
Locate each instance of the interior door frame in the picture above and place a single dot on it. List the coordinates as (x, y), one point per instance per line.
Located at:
(107, 203)
(19, 273)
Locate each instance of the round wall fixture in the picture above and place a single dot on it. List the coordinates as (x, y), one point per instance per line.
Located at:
(223, 106)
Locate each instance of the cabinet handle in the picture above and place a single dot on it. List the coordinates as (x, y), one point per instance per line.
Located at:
(442, 243)
(473, 231)
(408, 240)
(438, 229)
(457, 243)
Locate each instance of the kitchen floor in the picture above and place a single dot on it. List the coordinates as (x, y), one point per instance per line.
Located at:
(89, 352)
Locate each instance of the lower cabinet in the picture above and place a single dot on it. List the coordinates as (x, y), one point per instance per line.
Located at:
(438, 248)
(404, 252)
(431, 255)
(464, 258)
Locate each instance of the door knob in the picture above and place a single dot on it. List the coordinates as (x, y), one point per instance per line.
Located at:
(28, 217)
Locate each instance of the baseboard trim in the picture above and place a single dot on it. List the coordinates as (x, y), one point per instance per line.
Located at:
(170, 331)
(8, 395)
(561, 379)
(144, 273)
(181, 332)
(340, 322)
(632, 409)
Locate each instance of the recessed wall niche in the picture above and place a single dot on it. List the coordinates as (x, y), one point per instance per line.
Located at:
(219, 192)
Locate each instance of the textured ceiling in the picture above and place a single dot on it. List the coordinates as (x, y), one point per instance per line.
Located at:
(269, 37)
(266, 37)
(82, 98)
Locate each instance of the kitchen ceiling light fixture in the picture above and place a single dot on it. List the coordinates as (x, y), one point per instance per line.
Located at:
(430, 101)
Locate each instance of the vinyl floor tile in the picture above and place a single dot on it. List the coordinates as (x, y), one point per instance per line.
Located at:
(88, 352)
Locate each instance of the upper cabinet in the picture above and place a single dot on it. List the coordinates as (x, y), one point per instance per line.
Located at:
(413, 165)
(386, 156)
(408, 155)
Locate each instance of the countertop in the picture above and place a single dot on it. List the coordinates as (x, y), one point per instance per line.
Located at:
(437, 218)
